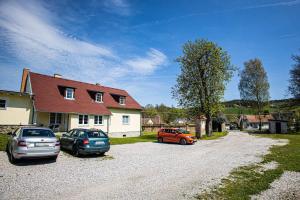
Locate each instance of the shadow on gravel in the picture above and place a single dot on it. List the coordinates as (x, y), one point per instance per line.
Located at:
(69, 153)
(32, 161)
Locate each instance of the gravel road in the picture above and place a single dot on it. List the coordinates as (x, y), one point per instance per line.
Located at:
(133, 171)
(286, 187)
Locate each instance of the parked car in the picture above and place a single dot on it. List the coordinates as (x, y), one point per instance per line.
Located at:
(32, 142)
(175, 135)
(85, 141)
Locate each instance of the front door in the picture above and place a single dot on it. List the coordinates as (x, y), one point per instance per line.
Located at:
(278, 127)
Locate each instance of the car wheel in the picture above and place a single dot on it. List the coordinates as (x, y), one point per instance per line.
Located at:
(183, 141)
(7, 149)
(160, 140)
(102, 154)
(54, 158)
(12, 158)
(75, 151)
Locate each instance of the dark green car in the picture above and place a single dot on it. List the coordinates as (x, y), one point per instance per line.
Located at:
(85, 141)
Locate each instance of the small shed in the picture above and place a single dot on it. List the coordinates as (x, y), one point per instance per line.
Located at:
(278, 126)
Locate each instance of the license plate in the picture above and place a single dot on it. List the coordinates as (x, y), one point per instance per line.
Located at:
(42, 145)
(99, 142)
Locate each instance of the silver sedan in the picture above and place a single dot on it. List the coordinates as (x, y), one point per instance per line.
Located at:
(32, 142)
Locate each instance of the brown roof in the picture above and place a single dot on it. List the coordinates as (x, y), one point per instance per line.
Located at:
(256, 118)
(49, 97)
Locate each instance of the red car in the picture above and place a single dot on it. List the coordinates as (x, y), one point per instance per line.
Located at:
(175, 135)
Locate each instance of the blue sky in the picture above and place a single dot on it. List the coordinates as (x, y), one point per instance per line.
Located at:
(133, 44)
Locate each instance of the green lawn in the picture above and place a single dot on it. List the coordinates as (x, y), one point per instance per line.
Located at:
(246, 181)
(215, 135)
(3, 142)
(147, 137)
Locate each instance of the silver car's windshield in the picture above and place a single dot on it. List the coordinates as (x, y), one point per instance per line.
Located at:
(37, 133)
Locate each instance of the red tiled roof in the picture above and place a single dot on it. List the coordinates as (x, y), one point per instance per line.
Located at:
(49, 98)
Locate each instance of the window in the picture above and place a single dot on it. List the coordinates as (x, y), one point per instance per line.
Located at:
(125, 119)
(37, 133)
(122, 100)
(96, 134)
(2, 104)
(55, 118)
(99, 97)
(69, 93)
(83, 119)
(98, 120)
(75, 133)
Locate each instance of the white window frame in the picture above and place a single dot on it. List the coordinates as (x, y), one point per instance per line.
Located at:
(128, 121)
(5, 106)
(97, 122)
(66, 93)
(99, 97)
(122, 100)
(55, 118)
(83, 116)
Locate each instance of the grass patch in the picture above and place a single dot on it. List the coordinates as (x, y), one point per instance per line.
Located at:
(246, 181)
(3, 141)
(146, 137)
(215, 135)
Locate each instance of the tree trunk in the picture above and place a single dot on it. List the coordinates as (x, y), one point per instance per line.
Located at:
(198, 128)
(208, 125)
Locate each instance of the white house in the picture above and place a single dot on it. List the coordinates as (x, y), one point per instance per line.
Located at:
(64, 104)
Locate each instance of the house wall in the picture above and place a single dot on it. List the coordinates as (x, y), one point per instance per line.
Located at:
(74, 122)
(273, 127)
(118, 129)
(18, 110)
(251, 126)
(42, 119)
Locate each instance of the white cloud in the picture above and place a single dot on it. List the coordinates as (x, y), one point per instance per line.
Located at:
(276, 4)
(181, 17)
(28, 32)
(146, 65)
(120, 7)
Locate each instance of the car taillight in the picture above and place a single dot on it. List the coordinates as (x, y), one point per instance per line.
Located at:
(86, 141)
(57, 143)
(22, 143)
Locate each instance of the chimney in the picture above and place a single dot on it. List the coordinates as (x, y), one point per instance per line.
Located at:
(57, 76)
(24, 79)
(98, 84)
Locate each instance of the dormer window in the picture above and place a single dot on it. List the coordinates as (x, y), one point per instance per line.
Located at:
(99, 97)
(69, 93)
(122, 100)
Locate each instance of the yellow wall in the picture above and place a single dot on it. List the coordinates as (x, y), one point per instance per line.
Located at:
(42, 119)
(18, 110)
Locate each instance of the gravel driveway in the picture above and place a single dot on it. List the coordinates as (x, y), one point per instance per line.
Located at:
(133, 171)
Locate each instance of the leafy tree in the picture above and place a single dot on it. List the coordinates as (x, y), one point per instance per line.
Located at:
(149, 111)
(294, 87)
(205, 69)
(254, 85)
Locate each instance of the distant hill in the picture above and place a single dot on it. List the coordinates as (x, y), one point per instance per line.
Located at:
(241, 107)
